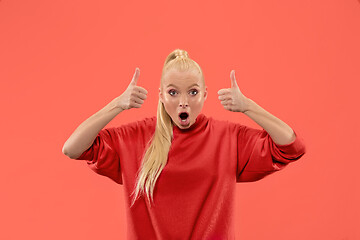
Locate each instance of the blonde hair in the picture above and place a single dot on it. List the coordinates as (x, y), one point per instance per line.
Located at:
(156, 154)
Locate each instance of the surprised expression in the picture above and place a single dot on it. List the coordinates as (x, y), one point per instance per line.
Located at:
(183, 94)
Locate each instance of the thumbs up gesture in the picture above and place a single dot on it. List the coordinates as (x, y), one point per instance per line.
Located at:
(133, 96)
(232, 98)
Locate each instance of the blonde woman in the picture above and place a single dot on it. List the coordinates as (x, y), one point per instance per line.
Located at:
(179, 168)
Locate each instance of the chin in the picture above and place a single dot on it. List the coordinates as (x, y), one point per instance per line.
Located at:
(184, 126)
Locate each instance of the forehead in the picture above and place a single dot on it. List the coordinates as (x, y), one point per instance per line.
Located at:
(181, 78)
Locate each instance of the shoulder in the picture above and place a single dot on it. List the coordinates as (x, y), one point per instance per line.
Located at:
(142, 126)
(221, 123)
(228, 125)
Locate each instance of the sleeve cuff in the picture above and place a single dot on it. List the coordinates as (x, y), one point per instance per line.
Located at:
(296, 146)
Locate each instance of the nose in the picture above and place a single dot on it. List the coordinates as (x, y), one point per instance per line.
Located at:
(183, 102)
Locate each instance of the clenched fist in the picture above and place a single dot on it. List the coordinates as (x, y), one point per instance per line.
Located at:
(133, 96)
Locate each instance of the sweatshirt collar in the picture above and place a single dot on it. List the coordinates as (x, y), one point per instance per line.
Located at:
(198, 124)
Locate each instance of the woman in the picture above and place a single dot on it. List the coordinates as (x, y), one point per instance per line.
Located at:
(194, 160)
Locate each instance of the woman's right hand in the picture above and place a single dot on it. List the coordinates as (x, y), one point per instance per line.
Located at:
(133, 96)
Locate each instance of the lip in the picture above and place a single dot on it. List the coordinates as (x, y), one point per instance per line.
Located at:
(183, 112)
(187, 122)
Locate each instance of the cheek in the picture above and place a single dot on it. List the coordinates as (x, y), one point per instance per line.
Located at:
(197, 105)
(170, 105)
(170, 101)
(197, 101)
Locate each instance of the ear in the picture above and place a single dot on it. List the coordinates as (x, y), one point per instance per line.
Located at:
(161, 96)
(205, 93)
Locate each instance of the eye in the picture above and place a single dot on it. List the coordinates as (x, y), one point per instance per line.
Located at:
(193, 92)
(172, 92)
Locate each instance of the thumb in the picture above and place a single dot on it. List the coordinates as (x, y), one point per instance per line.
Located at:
(135, 77)
(233, 79)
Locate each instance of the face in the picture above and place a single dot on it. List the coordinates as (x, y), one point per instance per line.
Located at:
(183, 95)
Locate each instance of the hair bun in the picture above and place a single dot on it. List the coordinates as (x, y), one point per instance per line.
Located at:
(181, 53)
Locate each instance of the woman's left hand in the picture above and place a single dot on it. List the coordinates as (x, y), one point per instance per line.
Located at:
(232, 98)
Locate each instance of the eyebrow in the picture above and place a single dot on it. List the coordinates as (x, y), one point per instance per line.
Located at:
(195, 84)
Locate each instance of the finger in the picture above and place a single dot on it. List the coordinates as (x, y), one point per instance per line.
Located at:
(224, 97)
(223, 91)
(233, 79)
(138, 100)
(226, 102)
(135, 77)
(135, 105)
(226, 107)
(140, 95)
(229, 108)
(140, 89)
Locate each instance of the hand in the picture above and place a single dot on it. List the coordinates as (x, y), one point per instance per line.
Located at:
(133, 96)
(231, 98)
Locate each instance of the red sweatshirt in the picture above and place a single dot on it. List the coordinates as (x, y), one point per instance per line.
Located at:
(195, 193)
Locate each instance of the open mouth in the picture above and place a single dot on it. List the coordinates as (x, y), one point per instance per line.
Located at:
(184, 115)
(184, 118)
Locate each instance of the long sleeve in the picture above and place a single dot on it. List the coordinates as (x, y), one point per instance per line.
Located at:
(258, 155)
(102, 156)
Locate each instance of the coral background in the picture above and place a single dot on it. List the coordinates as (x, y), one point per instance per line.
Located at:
(62, 61)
